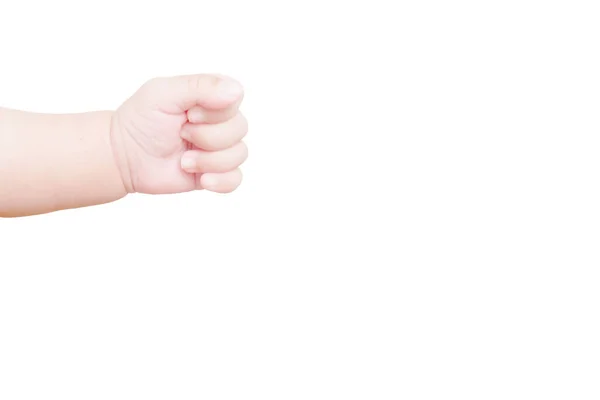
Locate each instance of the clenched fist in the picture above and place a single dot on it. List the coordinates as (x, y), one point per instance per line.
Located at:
(182, 133)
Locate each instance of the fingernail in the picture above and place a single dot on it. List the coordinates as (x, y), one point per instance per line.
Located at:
(195, 116)
(188, 162)
(229, 89)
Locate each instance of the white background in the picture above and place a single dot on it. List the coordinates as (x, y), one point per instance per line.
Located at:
(419, 217)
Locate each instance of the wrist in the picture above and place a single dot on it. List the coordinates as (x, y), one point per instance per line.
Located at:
(117, 141)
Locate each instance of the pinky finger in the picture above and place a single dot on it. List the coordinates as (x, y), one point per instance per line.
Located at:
(224, 182)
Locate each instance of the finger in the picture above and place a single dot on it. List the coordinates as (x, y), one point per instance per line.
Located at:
(225, 182)
(181, 93)
(218, 136)
(201, 161)
(199, 115)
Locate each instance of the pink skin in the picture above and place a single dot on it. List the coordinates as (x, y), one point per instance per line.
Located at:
(181, 134)
(175, 134)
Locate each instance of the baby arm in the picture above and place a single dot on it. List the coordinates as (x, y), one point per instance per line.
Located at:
(175, 134)
(50, 162)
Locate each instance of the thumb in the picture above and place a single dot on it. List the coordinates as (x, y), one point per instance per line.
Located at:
(184, 92)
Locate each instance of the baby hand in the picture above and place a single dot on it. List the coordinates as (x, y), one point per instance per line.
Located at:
(183, 133)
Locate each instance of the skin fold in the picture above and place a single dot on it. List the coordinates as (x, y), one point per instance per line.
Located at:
(173, 135)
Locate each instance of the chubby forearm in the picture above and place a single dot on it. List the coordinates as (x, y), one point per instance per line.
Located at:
(51, 162)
